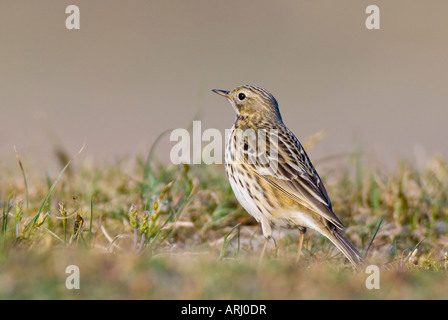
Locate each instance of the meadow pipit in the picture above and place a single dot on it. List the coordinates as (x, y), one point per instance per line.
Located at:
(272, 176)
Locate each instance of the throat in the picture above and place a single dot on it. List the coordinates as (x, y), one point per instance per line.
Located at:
(241, 121)
(241, 117)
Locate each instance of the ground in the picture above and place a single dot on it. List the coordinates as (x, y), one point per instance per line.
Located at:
(140, 229)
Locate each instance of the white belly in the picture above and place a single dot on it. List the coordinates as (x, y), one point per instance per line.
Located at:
(245, 199)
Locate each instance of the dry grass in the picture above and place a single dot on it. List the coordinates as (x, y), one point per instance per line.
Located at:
(141, 229)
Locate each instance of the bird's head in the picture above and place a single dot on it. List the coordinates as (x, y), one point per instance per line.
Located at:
(251, 101)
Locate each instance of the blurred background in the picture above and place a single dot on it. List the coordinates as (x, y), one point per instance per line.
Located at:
(139, 67)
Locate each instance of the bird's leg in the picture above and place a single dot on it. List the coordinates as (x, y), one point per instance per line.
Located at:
(267, 231)
(264, 249)
(302, 236)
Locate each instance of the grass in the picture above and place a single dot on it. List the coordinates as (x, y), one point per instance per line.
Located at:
(142, 229)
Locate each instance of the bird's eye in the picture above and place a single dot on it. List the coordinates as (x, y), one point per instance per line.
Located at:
(241, 96)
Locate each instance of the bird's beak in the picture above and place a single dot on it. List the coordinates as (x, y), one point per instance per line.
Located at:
(223, 93)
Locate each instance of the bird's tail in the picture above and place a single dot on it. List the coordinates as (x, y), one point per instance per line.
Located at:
(346, 247)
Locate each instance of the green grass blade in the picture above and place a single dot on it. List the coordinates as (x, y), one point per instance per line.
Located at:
(373, 238)
(47, 196)
(24, 179)
(53, 234)
(91, 215)
(413, 249)
(147, 166)
(225, 244)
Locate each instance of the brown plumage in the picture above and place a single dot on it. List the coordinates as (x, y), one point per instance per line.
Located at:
(272, 176)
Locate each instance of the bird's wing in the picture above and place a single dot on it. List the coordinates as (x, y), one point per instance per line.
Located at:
(288, 169)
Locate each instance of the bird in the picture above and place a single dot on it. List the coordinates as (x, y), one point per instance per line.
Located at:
(272, 176)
